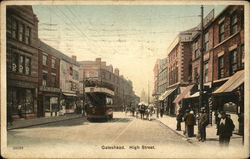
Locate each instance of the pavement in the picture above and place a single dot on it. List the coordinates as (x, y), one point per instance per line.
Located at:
(210, 131)
(24, 123)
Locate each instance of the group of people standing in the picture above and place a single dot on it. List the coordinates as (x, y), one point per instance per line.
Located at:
(224, 125)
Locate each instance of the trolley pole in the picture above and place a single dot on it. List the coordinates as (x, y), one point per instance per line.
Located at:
(201, 70)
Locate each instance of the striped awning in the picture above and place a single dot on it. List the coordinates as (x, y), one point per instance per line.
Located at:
(166, 93)
(184, 94)
(233, 82)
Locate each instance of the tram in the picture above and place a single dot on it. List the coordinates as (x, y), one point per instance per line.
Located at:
(99, 103)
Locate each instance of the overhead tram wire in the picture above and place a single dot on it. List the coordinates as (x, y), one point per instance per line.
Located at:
(83, 34)
(56, 13)
(85, 22)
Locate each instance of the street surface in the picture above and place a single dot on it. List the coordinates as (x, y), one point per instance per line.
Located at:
(80, 131)
(124, 136)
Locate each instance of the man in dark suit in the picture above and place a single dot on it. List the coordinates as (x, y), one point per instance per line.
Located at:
(225, 129)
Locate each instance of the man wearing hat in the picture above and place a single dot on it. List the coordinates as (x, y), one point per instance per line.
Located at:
(204, 121)
(225, 129)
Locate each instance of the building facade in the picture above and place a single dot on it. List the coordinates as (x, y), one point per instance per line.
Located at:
(69, 83)
(49, 91)
(22, 61)
(163, 75)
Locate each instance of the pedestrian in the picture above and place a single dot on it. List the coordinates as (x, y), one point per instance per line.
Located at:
(19, 110)
(161, 111)
(225, 129)
(204, 121)
(9, 115)
(189, 122)
(185, 131)
(179, 120)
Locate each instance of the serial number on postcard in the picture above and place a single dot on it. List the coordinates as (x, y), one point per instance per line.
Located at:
(17, 147)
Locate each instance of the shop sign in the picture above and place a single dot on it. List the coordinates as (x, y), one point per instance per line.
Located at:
(49, 89)
(22, 84)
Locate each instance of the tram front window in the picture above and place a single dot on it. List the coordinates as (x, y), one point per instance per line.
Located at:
(109, 101)
(96, 99)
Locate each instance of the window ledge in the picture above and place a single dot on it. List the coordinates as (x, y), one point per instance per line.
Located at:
(230, 37)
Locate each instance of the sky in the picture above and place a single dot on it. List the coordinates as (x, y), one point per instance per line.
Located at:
(130, 37)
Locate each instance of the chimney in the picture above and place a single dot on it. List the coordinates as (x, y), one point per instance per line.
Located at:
(73, 57)
(98, 60)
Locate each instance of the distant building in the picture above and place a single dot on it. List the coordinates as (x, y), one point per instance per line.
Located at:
(22, 60)
(99, 74)
(179, 69)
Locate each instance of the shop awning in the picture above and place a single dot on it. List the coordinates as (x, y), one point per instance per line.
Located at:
(195, 95)
(184, 94)
(233, 82)
(166, 93)
(69, 94)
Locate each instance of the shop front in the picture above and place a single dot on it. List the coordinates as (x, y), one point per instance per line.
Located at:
(21, 102)
(178, 101)
(230, 98)
(69, 102)
(166, 100)
(49, 98)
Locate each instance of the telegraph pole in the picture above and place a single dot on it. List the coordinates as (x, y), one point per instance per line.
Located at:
(201, 68)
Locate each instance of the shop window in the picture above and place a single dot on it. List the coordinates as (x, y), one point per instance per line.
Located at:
(233, 24)
(53, 63)
(206, 72)
(221, 32)
(27, 66)
(45, 59)
(221, 67)
(45, 78)
(23, 98)
(196, 49)
(29, 101)
(53, 81)
(233, 61)
(206, 41)
(20, 32)
(21, 64)
(27, 35)
(14, 29)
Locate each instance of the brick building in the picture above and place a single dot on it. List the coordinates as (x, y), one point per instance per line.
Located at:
(49, 80)
(228, 52)
(22, 61)
(223, 63)
(179, 69)
(104, 76)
